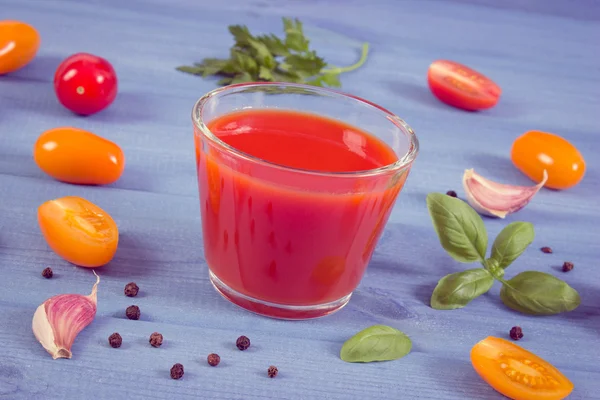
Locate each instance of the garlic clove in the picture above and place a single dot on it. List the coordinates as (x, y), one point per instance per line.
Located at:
(497, 199)
(58, 320)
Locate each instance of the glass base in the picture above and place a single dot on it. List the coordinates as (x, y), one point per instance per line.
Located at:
(274, 310)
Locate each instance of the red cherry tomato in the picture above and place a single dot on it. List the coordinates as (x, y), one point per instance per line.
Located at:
(85, 84)
(461, 86)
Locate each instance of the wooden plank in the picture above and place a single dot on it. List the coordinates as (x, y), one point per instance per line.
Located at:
(545, 57)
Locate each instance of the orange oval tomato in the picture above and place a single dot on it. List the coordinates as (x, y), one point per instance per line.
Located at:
(535, 151)
(19, 43)
(462, 87)
(79, 231)
(518, 373)
(77, 156)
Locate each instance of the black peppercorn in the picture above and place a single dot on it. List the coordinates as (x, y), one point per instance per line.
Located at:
(177, 371)
(156, 339)
(133, 312)
(213, 359)
(47, 273)
(516, 333)
(242, 343)
(546, 250)
(115, 340)
(451, 193)
(567, 266)
(272, 371)
(131, 289)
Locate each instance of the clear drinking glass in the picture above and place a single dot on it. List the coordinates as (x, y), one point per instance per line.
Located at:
(293, 243)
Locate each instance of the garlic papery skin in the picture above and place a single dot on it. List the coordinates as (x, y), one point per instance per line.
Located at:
(58, 320)
(497, 199)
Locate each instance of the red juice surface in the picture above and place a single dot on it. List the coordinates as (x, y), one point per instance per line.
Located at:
(284, 244)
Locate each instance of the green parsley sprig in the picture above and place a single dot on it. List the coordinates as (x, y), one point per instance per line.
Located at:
(268, 58)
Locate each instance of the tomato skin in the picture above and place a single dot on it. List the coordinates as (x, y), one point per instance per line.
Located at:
(77, 156)
(19, 43)
(517, 373)
(535, 151)
(462, 87)
(79, 231)
(85, 83)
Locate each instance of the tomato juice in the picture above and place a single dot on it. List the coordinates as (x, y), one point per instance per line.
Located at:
(287, 217)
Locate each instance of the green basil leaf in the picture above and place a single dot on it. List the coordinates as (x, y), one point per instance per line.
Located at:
(458, 289)
(376, 343)
(538, 293)
(511, 242)
(460, 229)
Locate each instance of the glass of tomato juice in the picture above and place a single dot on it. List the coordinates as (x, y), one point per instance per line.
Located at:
(296, 185)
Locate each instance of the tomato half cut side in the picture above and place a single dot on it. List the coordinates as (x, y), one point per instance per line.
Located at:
(79, 231)
(518, 373)
(462, 87)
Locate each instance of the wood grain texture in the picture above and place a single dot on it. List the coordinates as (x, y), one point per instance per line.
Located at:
(546, 57)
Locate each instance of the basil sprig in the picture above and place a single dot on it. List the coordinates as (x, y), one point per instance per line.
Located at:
(376, 343)
(462, 234)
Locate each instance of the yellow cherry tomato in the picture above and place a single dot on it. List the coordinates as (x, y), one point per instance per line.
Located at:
(19, 43)
(535, 151)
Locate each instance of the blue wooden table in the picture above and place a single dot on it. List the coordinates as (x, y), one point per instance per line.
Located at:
(546, 57)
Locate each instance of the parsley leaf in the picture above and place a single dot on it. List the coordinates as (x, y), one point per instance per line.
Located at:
(241, 34)
(274, 44)
(269, 58)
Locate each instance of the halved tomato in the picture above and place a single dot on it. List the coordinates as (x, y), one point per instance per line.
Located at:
(79, 231)
(518, 373)
(461, 86)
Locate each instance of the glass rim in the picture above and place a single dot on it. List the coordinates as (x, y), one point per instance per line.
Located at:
(402, 162)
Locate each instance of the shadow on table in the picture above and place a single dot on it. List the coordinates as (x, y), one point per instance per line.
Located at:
(589, 310)
(462, 378)
(41, 69)
(378, 303)
(419, 93)
(140, 255)
(129, 107)
(500, 169)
